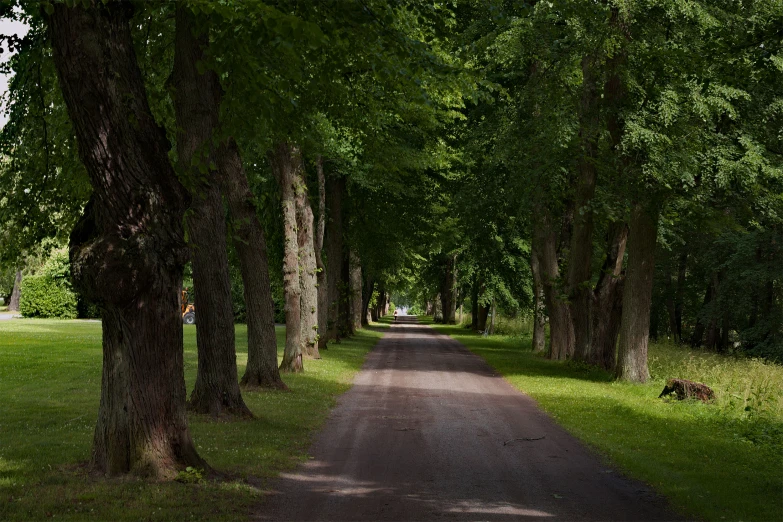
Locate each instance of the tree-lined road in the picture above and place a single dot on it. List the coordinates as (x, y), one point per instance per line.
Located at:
(421, 435)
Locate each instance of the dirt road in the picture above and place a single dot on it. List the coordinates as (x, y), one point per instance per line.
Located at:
(421, 436)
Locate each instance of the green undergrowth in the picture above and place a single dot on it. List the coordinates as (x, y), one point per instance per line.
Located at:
(718, 461)
(50, 373)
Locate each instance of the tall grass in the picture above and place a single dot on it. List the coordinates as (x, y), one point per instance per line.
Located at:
(518, 326)
(744, 387)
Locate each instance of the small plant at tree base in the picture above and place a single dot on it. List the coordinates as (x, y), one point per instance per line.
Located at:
(191, 475)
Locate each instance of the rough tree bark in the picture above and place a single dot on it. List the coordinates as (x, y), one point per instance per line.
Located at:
(309, 270)
(250, 243)
(608, 299)
(16, 293)
(355, 278)
(196, 107)
(561, 332)
(335, 189)
(286, 161)
(637, 296)
(128, 251)
(539, 310)
(581, 248)
(320, 229)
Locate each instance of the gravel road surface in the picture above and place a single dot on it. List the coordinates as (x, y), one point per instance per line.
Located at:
(421, 435)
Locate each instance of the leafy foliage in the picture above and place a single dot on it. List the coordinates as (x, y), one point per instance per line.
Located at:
(45, 296)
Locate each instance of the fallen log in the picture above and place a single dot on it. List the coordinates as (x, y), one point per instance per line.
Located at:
(685, 389)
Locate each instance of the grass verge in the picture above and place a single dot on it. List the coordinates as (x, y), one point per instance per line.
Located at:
(50, 374)
(720, 461)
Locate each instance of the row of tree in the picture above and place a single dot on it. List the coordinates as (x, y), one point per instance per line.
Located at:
(613, 169)
(309, 93)
(631, 152)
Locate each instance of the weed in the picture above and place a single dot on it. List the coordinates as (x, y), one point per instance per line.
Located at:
(190, 476)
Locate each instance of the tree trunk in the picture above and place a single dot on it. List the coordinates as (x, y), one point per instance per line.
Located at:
(369, 288)
(539, 312)
(493, 313)
(483, 314)
(309, 270)
(196, 107)
(724, 333)
(680, 293)
(654, 320)
(698, 331)
(447, 291)
(320, 229)
(713, 330)
(13, 304)
(561, 332)
(344, 306)
(474, 306)
(286, 161)
(128, 251)
(335, 190)
(356, 291)
(377, 311)
(608, 299)
(670, 307)
(581, 251)
(637, 296)
(250, 243)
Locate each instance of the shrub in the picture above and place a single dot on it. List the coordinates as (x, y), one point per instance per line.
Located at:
(44, 296)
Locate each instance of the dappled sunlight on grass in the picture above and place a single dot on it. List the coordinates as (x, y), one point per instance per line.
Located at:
(715, 461)
(50, 374)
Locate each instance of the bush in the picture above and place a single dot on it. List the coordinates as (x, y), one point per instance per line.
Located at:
(44, 296)
(416, 310)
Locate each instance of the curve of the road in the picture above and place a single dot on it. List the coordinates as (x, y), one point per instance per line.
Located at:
(421, 435)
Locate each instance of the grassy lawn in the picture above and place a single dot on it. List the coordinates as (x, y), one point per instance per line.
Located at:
(720, 461)
(50, 373)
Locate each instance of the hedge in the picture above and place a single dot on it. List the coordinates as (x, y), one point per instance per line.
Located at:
(43, 296)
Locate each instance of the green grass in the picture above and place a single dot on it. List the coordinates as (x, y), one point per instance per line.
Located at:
(720, 461)
(50, 373)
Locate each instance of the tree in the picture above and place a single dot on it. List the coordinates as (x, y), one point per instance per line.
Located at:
(286, 161)
(128, 251)
(16, 292)
(196, 104)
